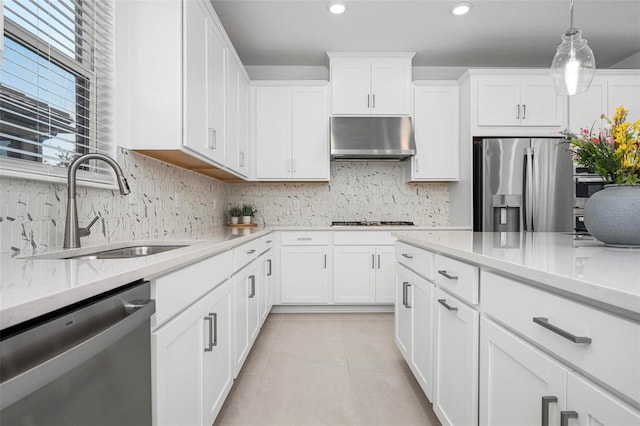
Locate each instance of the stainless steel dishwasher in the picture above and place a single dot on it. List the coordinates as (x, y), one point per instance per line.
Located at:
(88, 364)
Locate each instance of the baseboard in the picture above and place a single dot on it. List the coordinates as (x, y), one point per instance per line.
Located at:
(301, 309)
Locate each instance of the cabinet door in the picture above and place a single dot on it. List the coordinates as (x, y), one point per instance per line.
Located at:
(391, 87)
(218, 365)
(215, 78)
(195, 78)
(178, 392)
(625, 91)
(304, 274)
(539, 103)
(499, 101)
(253, 282)
(241, 326)
(266, 286)
(585, 108)
(594, 406)
(309, 133)
(232, 141)
(351, 87)
(273, 133)
(243, 126)
(385, 274)
(422, 334)
(516, 379)
(403, 329)
(436, 133)
(354, 274)
(456, 367)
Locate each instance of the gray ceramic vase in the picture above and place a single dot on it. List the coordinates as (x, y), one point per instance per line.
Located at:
(613, 215)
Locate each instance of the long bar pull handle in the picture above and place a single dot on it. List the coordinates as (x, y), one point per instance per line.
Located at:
(565, 416)
(528, 212)
(215, 328)
(251, 251)
(524, 111)
(209, 347)
(378, 261)
(444, 303)
(374, 100)
(406, 294)
(373, 261)
(445, 274)
(325, 261)
(252, 280)
(368, 106)
(406, 255)
(518, 111)
(269, 263)
(546, 324)
(546, 400)
(212, 139)
(304, 238)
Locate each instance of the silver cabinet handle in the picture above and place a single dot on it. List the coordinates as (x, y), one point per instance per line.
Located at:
(368, 101)
(212, 340)
(406, 255)
(212, 139)
(444, 303)
(546, 400)
(373, 261)
(405, 294)
(546, 324)
(518, 112)
(269, 241)
(251, 251)
(447, 275)
(378, 261)
(252, 281)
(565, 416)
(325, 261)
(269, 263)
(524, 111)
(304, 238)
(374, 100)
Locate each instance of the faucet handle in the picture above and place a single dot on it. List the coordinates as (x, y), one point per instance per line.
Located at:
(86, 231)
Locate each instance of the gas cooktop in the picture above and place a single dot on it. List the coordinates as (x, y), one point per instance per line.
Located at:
(372, 223)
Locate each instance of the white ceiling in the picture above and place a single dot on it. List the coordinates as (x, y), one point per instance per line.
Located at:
(496, 33)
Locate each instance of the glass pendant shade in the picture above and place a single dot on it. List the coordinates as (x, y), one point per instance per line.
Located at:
(573, 65)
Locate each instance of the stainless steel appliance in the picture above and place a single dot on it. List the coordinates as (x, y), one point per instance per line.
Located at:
(522, 184)
(372, 223)
(88, 364)
(372, 138)
(586, 183)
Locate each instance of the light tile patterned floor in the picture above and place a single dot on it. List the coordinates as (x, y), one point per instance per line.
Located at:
(326, 369)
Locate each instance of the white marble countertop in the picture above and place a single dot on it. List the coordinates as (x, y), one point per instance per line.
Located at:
(581, 268)
(31, 286)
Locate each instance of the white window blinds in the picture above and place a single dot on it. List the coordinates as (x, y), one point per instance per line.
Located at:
(56, 86)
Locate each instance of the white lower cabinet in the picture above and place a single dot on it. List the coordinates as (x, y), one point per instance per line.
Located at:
(192, 362)
(456, 361)
(519, 385)
(305, 274)
(363, 274)
(414, 325)
(247, 319)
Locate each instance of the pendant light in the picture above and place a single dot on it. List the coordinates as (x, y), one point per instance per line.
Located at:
(573, 66)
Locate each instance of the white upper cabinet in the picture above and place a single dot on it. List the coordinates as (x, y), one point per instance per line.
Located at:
(585, 108)
(370, 85)
(518, 101)
(292, 133)
(624, 89)
(176, 99)
(435, 115)
(237, 119)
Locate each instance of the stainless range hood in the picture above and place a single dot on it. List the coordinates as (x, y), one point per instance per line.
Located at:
(372, 139)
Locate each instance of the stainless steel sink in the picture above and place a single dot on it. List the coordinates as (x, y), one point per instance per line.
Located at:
(126, 252)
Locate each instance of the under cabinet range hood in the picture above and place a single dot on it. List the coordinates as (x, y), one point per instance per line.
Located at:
(372, 139)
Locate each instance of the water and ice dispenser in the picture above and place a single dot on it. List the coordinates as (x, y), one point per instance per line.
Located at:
(506, 212)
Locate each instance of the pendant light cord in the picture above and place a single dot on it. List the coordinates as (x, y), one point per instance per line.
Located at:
(571, 16)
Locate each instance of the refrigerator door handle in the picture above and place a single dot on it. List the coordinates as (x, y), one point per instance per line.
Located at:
(528, 190)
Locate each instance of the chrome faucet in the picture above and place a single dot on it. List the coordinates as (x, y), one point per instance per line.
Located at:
(72, 232)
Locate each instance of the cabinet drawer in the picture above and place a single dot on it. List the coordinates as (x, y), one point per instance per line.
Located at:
(305, 238)
(177, 290)
(613, 353)
(343, 238)
(246, 253)
(457, 277)
(415, 258)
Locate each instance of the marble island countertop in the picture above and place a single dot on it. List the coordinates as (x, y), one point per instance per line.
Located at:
(582, 268)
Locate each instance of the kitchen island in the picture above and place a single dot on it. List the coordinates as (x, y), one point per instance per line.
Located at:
(520, 328)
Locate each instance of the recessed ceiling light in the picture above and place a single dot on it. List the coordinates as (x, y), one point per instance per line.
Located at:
(461, 8)
(337, 8)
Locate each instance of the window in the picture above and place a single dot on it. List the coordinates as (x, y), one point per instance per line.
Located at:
(56, 87)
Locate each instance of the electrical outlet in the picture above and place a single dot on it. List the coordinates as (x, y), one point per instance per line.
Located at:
(296, 204)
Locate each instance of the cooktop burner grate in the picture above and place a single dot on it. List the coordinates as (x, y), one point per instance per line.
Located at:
(372, 223)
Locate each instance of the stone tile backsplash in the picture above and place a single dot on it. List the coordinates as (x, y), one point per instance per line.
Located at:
(32, 213)
(357, 191)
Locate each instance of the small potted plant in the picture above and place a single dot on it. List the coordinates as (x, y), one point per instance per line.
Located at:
(248, 210)
(234, 212)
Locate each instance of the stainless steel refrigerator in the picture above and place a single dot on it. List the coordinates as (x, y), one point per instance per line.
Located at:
(522, 184)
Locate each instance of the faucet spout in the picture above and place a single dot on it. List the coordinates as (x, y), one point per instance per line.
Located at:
(72, 232)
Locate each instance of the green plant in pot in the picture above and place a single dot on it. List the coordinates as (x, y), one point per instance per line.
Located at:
(613, 214)
(234, 212)
(248, 210)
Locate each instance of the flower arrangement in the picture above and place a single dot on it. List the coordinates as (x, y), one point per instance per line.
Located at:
(614, 152)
